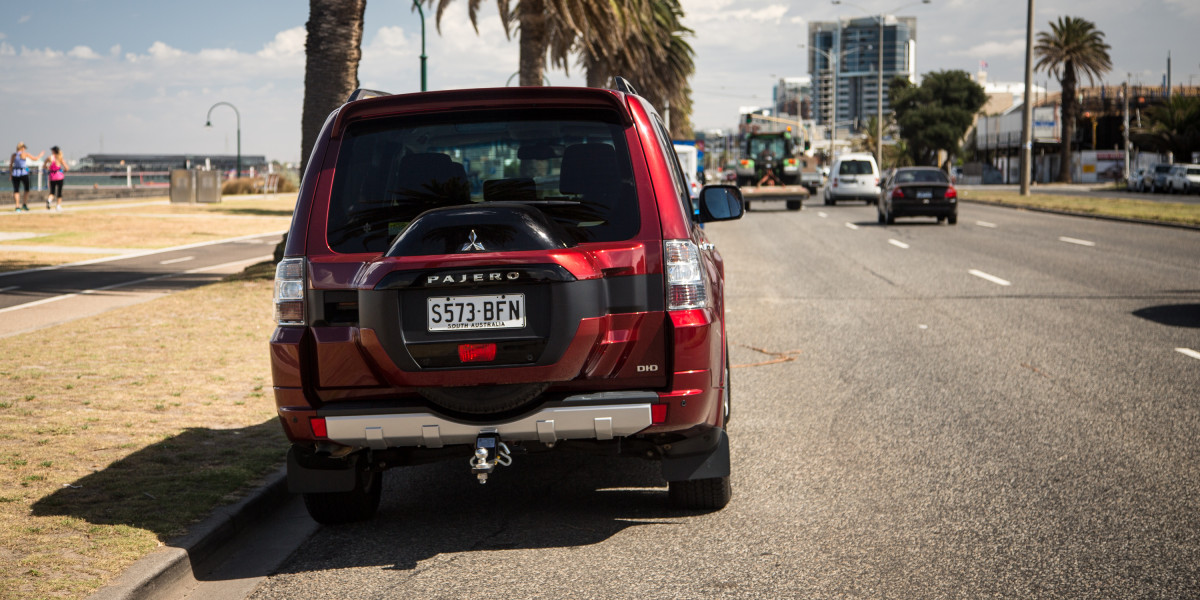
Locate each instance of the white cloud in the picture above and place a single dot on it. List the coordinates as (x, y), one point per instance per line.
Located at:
(287, 45)
(3, 35)
(1009, 49)
(83, 52)
(161, 51)
(25, 19)
(115, 50)
(6, 49)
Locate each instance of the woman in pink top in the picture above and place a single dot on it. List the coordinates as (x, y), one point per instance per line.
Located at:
(57, 167)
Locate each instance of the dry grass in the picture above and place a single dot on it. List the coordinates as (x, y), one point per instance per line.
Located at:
(140, 225)
(118, 433)
(1143, 210)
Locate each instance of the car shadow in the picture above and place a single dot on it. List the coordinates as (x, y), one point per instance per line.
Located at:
(1172, 315)
(552, 500)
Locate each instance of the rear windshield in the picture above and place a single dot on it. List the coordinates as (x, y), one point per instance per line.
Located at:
(855, 167)
(390, 171)
(921, 177)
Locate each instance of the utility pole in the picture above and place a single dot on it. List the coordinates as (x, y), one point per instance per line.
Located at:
(1027, 110)
(1125, 128)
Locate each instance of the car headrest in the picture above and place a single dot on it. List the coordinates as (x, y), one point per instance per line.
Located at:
(588, 168)
(434, 174)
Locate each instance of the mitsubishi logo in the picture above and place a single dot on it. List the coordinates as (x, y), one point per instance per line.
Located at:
(472, 243)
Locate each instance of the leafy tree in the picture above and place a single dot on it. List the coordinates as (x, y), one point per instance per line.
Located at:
(1174, 127)
(332, 52)
(1072, 46)
(937, 114)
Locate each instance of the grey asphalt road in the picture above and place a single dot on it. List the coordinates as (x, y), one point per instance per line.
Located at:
(37, 298)
(1003, 408)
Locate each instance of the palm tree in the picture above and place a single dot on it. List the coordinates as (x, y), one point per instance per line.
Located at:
(654, 49)
(332, 52)
(551, 27)
(1074, 45)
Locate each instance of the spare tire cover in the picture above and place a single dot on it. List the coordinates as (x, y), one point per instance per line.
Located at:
(484, 399)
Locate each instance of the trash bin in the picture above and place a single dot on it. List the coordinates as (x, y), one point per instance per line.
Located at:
(208, 186)
(189, 186)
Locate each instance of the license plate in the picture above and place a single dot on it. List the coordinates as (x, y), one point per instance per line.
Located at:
(924, 194)
(455, 313)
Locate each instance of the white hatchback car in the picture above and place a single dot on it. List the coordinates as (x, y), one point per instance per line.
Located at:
(855, 176)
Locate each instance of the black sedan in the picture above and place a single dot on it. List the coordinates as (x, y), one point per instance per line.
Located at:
(917, 192)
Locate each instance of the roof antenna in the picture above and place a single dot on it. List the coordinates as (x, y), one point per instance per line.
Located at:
(623, 86)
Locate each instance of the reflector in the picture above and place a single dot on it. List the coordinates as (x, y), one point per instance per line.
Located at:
(658, 414)
(476, 352)
(318, 427)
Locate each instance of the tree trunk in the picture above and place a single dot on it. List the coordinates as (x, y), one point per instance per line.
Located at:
(1068, 115)
(332, 51)
(535, 39)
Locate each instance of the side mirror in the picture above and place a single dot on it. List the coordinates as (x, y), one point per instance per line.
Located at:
(720, 203)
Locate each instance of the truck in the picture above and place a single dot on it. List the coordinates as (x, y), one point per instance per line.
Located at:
(770, 169)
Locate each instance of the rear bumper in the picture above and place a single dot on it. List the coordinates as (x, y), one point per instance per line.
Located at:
(546, 425)
(924, 210)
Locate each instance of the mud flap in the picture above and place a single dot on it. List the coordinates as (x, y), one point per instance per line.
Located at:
(309, 474)
(697, 458)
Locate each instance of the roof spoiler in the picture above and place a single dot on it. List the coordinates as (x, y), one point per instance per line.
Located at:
(362, 93)
(622, 85)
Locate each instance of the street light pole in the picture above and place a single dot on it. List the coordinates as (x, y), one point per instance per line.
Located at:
(1027, 110)
(208, 123)
(417, 5)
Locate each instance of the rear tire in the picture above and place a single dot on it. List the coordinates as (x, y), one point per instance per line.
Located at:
(952, 219)
(891, 218)
(879, 215)
(359, 504)
(700, 494)
(794, 204)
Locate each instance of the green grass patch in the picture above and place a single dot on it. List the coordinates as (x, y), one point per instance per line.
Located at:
(1141, 210)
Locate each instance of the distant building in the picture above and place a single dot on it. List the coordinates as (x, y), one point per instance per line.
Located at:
(167, 162)
(855, 46)
(793, 96)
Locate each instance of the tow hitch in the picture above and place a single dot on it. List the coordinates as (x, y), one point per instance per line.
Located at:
(489, 452)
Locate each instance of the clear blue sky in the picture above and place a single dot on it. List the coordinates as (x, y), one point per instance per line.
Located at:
(140, 76)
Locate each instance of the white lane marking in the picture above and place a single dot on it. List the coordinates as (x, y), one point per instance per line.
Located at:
(1077, 241)
(145, 253)
(114, 286)
(985, 224)
(851, 226)
(822, 215)
(176, 260)
(1188, 352)
(898, 244)
(991, 278)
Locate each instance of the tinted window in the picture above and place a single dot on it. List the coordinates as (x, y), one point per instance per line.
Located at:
(855, 167)
(923, 176)
(390, 171)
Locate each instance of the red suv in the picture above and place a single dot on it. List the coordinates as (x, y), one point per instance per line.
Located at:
(476, 274)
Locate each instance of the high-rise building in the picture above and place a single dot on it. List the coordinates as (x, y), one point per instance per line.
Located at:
(854, 47)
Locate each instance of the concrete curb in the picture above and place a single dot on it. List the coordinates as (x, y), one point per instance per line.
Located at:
(168, 571)
(1085, 215)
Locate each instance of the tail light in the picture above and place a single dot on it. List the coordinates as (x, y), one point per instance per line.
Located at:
(898, 193)
(951, 192)
(289, 292)
(318, 427)
(686, 288)
(469, 353)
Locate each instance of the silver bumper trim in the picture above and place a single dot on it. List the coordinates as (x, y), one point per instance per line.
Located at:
(548, 425)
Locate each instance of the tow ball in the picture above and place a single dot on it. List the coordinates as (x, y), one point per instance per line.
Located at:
(489, 452)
